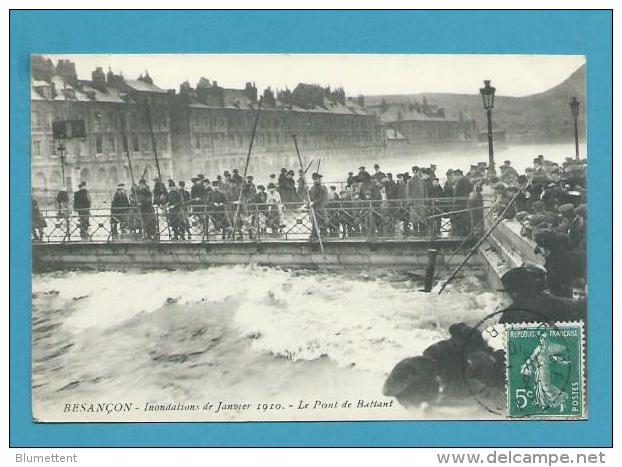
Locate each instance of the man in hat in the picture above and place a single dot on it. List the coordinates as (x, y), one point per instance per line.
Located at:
(416, 193)
(502, 200)
(462, 190)
(248, 190)
(526, 286)
(274, 209)
(174, 202)
(281, 181)
(378, 174)
(350, 180)
(216, 207)
(259, 213)
(159, 192)
(566, 216)
(448, 188)
(509, 175)
(82, 205)
(562, 264)
(390, 186)
(147, 212)
(363, 176)
(119, 211)
(185, 201)
(300, 186)
(236, 177)
(38, 221)
(319, 197)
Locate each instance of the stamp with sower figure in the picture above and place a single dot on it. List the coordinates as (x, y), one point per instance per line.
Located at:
(545, 371)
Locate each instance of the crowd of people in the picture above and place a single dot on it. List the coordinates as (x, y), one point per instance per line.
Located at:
(548, 200)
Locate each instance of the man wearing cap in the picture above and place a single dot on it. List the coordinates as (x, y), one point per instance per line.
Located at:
(119, 211)
(82, 205)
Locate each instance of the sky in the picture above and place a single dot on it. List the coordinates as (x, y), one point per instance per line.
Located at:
(512, 75)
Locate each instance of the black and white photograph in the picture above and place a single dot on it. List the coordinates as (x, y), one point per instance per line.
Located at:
(308, 237)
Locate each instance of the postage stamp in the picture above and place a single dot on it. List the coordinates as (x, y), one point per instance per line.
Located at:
(545, 371)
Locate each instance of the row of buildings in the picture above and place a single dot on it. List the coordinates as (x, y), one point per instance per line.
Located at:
(206, 128)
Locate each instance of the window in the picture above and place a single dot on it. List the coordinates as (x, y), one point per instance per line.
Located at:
(99, 145)
(111, 144)
(135, 145)
(36, 147)
(197, 144)
(52, 147)
(36, 118)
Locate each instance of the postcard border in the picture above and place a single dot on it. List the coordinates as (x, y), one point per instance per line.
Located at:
(586, 32)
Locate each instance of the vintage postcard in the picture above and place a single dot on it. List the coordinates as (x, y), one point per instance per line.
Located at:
(308, 237)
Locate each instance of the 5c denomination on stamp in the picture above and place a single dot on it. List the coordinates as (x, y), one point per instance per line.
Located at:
(545, 371)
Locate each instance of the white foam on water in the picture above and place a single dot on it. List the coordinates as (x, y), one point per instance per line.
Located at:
(363, 320)
(368, 324)
(105, 299)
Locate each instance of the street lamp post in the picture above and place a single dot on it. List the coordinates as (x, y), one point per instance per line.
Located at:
(488, 96)
(574, 108)
(63, 157)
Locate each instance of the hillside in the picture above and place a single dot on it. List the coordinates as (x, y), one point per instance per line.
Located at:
(542, 116)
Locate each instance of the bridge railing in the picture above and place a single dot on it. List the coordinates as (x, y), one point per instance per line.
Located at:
(336, 220)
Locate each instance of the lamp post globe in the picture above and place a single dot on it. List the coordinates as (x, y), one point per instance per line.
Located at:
(488, 98)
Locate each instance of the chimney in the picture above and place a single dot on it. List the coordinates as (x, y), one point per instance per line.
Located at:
(98, 76)
(251, 91)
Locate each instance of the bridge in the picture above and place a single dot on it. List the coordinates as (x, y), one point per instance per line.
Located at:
(385, 233)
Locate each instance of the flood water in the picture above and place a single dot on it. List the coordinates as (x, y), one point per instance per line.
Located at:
(238, 334)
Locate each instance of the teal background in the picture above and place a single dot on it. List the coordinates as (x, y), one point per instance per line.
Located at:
(449, 32)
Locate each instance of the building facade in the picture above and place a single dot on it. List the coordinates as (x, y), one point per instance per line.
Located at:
(420, 125)
(114, 115)
(207, 129)
(212, 128)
